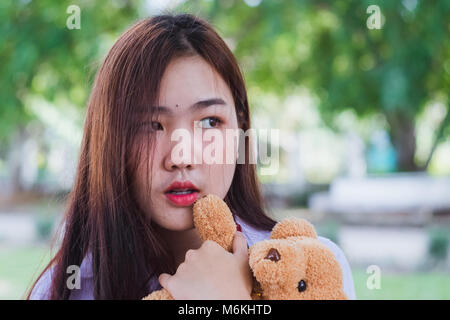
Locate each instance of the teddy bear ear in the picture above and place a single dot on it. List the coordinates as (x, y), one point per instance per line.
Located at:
(293, 227)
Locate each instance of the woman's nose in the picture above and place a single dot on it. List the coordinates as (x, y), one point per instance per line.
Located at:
(183, 152)
(170, 164)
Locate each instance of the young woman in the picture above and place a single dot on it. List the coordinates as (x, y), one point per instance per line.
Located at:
(128, 223)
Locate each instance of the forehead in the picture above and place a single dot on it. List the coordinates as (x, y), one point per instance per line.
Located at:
(188, 80)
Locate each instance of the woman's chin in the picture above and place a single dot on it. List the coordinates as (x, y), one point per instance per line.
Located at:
(180, 219)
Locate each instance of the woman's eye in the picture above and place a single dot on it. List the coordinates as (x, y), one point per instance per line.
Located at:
(156, 126)
(211, 122)
(153, 125)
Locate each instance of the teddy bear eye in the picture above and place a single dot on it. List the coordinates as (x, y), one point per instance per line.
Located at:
(301, 286)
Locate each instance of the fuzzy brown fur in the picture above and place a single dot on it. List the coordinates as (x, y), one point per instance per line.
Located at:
(292, 265)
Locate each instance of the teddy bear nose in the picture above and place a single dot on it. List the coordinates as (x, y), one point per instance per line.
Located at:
(273, 255)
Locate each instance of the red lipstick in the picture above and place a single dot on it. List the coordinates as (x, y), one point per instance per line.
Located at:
(182, 193)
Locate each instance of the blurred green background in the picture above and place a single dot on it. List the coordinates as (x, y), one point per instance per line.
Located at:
(364, 149)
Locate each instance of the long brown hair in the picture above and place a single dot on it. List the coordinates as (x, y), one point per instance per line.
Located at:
(102, 216)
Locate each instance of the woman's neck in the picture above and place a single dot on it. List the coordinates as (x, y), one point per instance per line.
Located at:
(181, 241)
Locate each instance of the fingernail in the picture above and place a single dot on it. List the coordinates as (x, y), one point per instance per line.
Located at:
(238, 227)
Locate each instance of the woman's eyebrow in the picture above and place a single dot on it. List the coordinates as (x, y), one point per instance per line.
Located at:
(196, 106)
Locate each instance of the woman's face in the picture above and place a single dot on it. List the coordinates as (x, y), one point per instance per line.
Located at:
(186, 81)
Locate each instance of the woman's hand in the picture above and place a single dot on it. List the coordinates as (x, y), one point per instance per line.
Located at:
(212, 273)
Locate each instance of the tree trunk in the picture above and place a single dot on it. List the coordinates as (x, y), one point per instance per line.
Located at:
(403, 136)
(439, 137)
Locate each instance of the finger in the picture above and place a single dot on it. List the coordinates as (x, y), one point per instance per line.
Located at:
(189, 254)
(163, 279)
(240, 247)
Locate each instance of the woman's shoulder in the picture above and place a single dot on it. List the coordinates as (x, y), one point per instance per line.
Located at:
(41, 290)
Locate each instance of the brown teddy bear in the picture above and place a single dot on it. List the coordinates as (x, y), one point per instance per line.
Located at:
(292, 265)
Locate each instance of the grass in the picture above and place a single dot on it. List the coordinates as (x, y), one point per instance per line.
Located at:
(19, 266)
(408, 286)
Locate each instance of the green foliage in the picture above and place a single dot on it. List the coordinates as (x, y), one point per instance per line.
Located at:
(327, 46)
(41, 56)
(44, 226)
(329, 229)
(438, 247)
(281, 45)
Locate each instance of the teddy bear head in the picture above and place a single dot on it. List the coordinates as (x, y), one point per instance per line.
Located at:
(294, 265)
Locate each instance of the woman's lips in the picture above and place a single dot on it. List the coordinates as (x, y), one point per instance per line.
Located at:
(182, 200)
(182, 193)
